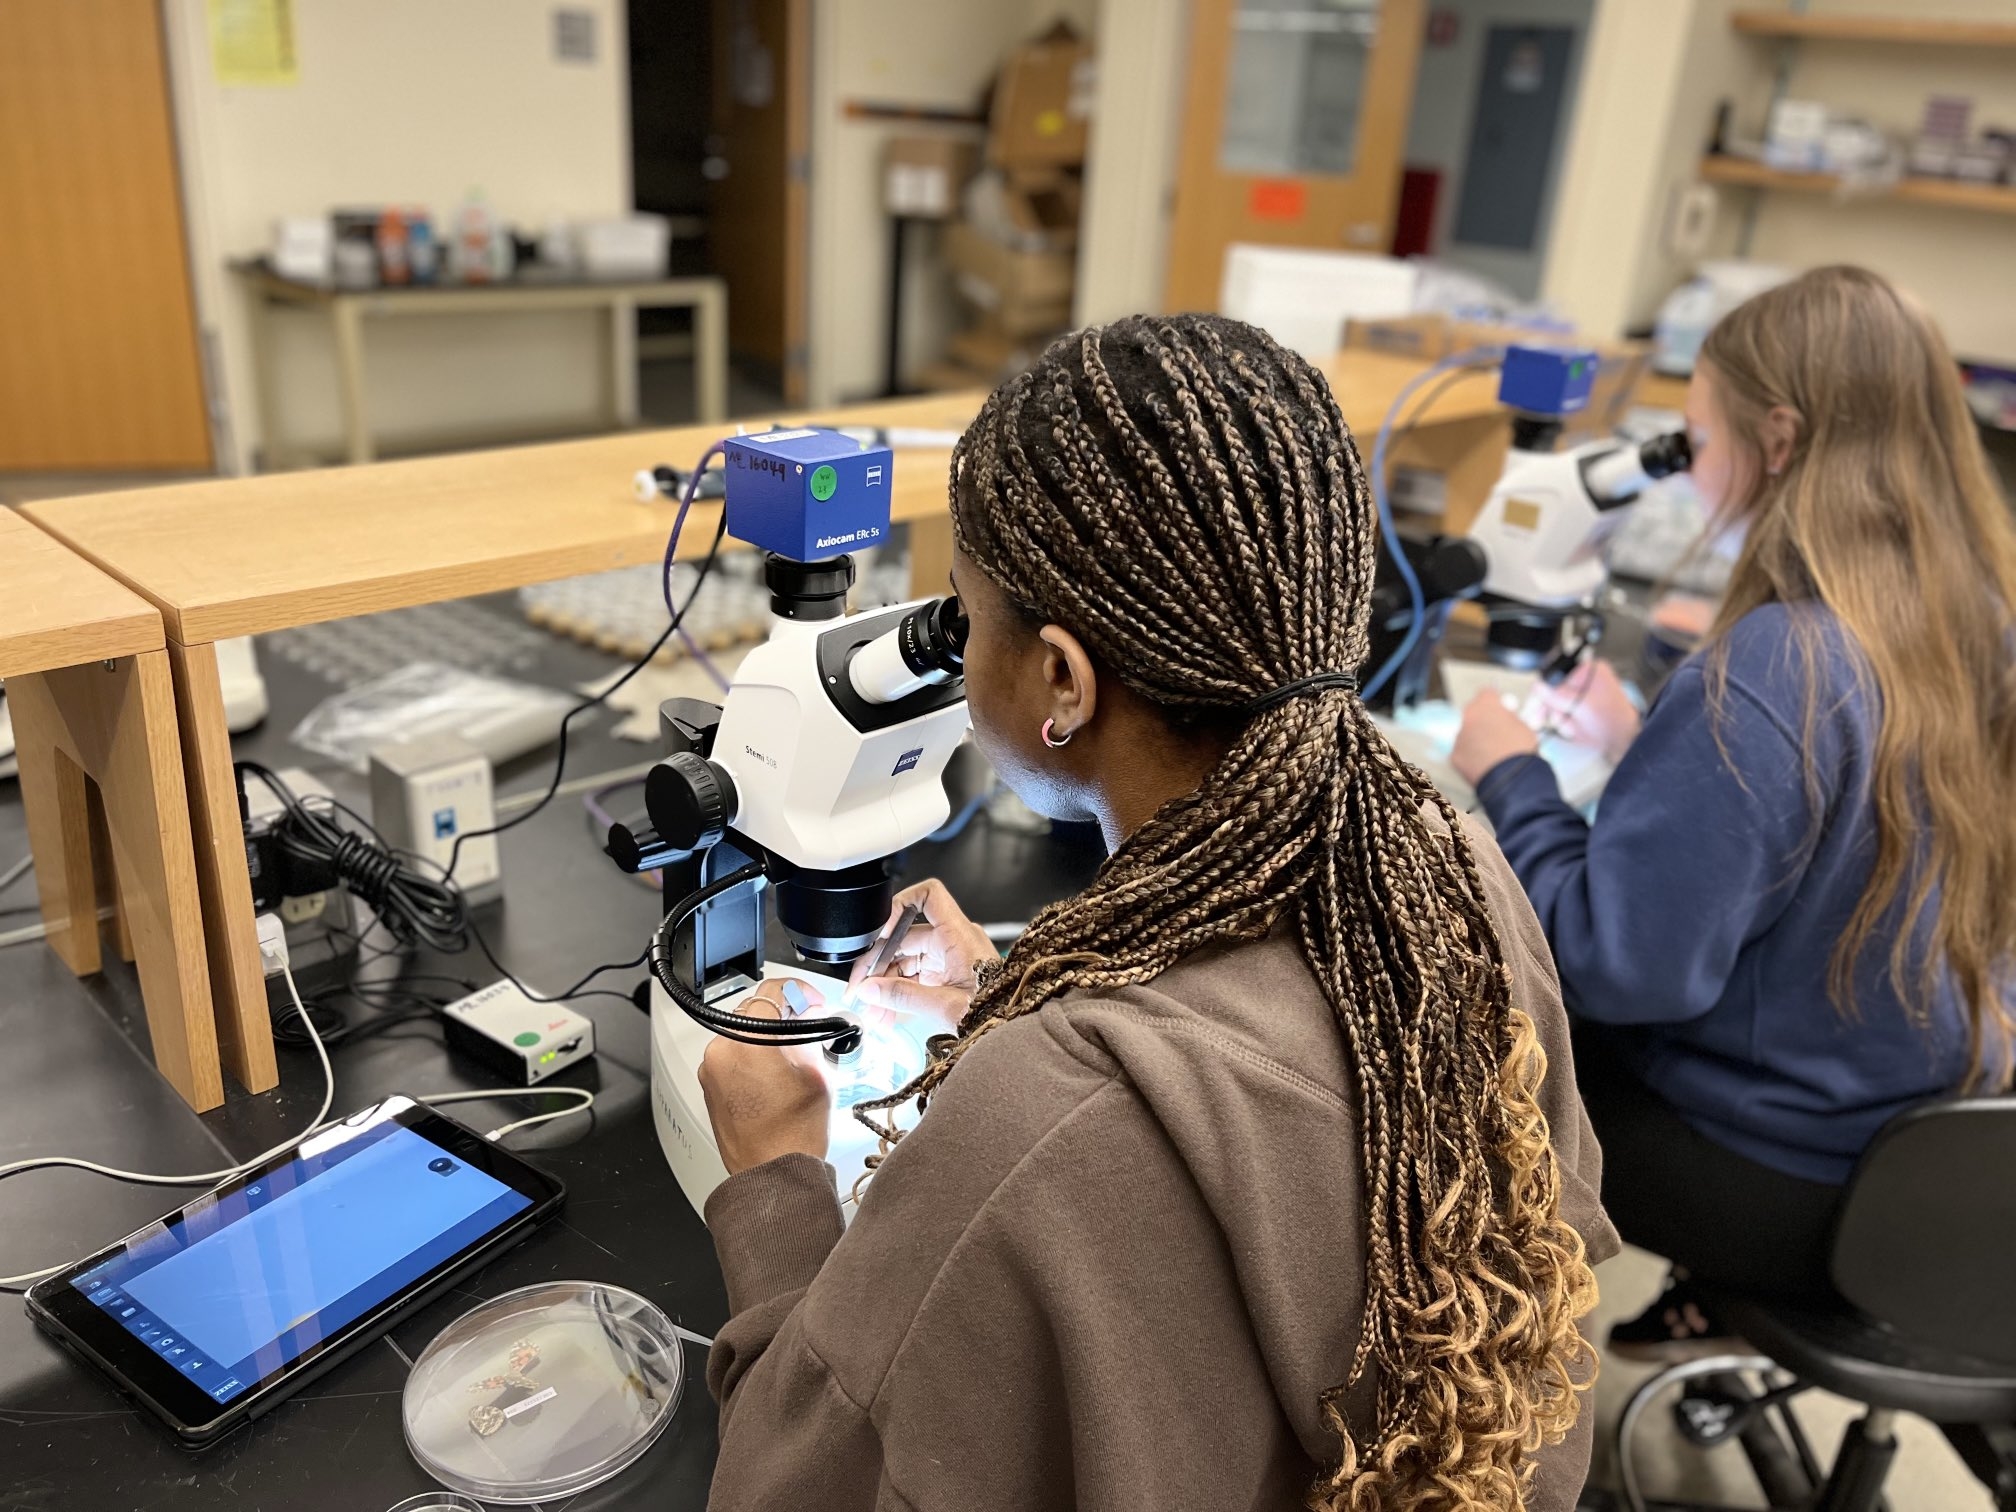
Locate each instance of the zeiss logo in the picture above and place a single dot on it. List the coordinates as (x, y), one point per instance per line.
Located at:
(444, 823)
(907, 762)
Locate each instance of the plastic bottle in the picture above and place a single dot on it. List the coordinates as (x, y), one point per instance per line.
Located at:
(423, 253)
(394, 263)
(471, 260)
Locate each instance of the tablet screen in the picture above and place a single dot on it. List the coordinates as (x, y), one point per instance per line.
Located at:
(241, 1283)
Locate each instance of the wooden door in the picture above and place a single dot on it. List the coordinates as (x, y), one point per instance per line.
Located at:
(1294, 128)
(99, 363)
(759, 223)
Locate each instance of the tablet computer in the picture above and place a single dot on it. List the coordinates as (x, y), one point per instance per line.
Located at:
(220, 1310)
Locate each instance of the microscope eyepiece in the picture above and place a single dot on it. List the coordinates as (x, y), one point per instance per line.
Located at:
(1665, 455)
(927, 647)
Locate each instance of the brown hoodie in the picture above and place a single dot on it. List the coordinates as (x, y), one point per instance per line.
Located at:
(1115, 1266)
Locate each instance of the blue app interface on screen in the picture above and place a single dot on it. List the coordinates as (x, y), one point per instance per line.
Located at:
(233, 1289)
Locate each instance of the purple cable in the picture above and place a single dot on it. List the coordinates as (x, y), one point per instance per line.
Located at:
(593, 802)
(672, 545)
(707, 663)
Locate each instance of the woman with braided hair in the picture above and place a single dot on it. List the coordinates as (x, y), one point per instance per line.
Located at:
(1255, 1176)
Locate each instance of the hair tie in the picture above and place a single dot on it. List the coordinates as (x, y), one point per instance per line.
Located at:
(1318, 682)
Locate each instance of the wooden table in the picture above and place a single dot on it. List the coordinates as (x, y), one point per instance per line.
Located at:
(347, 309)
(241, 556)
(95, 733)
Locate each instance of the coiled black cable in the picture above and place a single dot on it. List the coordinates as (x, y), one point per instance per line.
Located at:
(412, 906)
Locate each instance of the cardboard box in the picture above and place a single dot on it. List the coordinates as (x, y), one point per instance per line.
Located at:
(1044, 203)
(1043, 103)
(922, 176)
(948, 377)
(994, 353)
(1021, 292)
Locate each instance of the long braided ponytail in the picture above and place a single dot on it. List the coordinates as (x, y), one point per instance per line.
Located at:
(1183, 495)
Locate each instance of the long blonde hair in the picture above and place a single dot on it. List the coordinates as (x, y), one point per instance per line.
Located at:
(1886, 512)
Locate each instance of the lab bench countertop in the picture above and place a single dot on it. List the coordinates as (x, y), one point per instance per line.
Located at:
(76, 1079)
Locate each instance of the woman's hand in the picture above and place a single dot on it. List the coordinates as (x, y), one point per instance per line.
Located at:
(1492, 731)
(936, 966)
(765, 1101)
(1591, 708)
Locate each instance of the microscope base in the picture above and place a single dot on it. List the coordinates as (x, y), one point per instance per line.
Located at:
(889, 1057)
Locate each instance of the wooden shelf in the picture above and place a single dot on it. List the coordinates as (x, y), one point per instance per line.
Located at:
(1995, 198)
(1884, 29)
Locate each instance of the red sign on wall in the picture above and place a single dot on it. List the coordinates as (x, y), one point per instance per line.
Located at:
(1278, 199)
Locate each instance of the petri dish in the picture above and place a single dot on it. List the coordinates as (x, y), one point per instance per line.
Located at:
(543, 1392)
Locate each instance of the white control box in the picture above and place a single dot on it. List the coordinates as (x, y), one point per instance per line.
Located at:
(428, 791)
(521, 1038)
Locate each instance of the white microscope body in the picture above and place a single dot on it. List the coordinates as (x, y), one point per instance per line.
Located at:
(811, 787)
(825, 759)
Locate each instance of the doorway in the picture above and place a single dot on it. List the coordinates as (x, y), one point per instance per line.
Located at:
(1493, 108)
(1296, 115)
(719, 129)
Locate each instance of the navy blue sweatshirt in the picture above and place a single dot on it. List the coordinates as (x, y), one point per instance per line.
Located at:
(1699, 913)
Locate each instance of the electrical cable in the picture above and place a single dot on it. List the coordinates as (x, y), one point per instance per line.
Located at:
(735, 1026)
(17, 1284)
(413, 907)
(493, 1094)
(1475, 357)
(17, 871)
(571, 993)
(201, 1178)
(595, 700)
(1426, 403)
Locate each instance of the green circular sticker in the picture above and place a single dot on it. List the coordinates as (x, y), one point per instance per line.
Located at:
(528, 1038)
(824, 481)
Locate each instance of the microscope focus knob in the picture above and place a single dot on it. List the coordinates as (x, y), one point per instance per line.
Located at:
(690, 800)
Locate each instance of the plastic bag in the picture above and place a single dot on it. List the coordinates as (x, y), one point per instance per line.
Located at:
(501, 718)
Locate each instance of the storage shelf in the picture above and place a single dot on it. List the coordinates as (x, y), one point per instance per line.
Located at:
(1994, 198)
(1882, 29)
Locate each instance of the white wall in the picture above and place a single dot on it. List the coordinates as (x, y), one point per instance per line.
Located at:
(911, 52)
(1612, 190)
(406, 102)
(1130, 178)
(1445, 105)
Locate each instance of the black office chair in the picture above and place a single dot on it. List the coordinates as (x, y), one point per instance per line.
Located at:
(1925, 1256)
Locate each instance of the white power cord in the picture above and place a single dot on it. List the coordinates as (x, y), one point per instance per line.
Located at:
(490, 1094)
(16, 872)
(273, 951)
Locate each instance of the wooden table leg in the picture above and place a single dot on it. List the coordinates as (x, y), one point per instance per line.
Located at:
(622, 364)
(116, 722)
(346, 324)
(57, 803)
(266, 381)
(237, 981)
(710, 354)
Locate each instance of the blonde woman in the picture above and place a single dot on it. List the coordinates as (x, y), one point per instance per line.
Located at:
(1794, 914)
